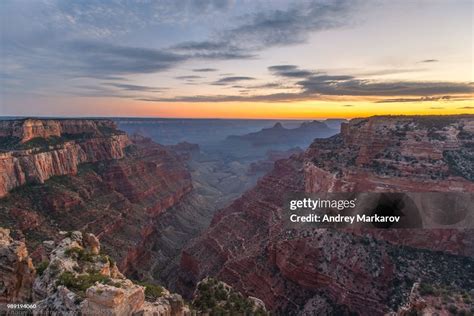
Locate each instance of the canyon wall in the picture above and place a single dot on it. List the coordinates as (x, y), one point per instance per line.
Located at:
(96, 140)
(327, 271)
(92, 178)
(28, 129)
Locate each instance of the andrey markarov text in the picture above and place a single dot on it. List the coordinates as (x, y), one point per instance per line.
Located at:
(314, 218)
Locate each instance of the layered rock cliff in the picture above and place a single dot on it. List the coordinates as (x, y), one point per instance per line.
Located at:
(92, 177)
(25, 130)
(327, 271)
(32, 151)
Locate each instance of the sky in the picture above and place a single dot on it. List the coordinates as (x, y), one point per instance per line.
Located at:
(236, 58)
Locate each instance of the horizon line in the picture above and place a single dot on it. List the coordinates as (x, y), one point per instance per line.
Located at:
(212, 118)
(162, 118)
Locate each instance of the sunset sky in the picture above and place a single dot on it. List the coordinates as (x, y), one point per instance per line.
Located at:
(236, 58)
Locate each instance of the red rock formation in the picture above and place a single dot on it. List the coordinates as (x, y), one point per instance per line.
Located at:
(97, 141)
(17, 273)
(80, 280)
(111, 187)
(362, 271)
(27, 129)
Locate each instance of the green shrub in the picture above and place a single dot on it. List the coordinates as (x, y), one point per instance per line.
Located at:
(426, 289)
(80, 283)
(41, 267)
(80, 254)
(54, 268)
(214, 297)
(152, 291)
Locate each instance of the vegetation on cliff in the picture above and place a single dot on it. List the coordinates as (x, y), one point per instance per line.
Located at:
(217, 298)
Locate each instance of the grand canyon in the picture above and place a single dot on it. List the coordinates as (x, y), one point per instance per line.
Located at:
(236, 158)
(95, 219)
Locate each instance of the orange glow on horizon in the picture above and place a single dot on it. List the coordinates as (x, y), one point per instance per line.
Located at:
(318, 109)
(296, 110)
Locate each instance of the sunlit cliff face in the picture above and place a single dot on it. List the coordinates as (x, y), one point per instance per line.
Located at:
(235, 58)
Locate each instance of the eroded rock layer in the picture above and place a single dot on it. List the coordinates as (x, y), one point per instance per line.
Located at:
(89, 177)
(32, 151)
(325, 271)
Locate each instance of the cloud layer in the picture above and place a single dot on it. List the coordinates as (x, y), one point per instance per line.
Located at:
(111, 48)
(313, 85)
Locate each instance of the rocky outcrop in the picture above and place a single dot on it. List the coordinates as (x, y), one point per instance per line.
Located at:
(426, 299)
(79, 280)
(16, 270)
(369, 272)
(392, 154)
(61, 145)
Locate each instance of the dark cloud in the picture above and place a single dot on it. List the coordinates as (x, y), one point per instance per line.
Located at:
(201, 46)
(204, 70)
(223, 55)
(290, 71)
(320, 86)
(429, 61)
(104, 90)
(268, 85)
(349, 86)
(348, 105)
(437, 107)
(93, 57)
(230, 80)
(467, 107)
(277, 97)
(212, 50)
(291, 25)
(268, 28)
(421, 99)
(282, 68)
(191, 77)
(98, 34)
(132, 87)
(101, 60)
(296, 74)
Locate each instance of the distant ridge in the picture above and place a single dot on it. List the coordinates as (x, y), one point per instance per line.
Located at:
(278, 134)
